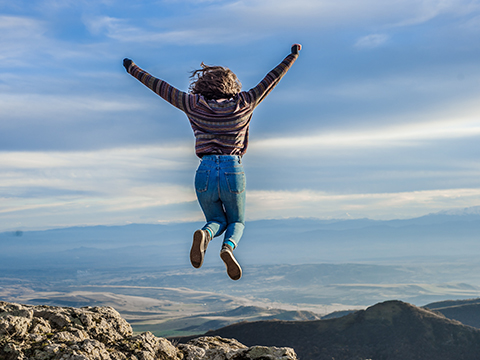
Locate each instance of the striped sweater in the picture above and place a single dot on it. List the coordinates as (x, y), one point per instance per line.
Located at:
(220, 127)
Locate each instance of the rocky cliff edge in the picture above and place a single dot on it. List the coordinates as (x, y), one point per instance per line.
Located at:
(100, 333)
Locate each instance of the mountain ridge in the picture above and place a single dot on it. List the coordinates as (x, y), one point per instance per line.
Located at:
(462, 214)
(466, 311)
(391, 330)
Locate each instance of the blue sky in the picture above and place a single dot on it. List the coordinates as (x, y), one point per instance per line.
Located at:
(378, 118)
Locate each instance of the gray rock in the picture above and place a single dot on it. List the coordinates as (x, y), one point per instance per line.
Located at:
(100, 333)
(217, 348)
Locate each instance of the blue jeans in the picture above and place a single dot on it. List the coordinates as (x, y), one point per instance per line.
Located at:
(220, 187)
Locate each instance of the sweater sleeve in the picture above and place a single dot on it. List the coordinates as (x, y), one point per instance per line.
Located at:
(259, 92)
(171, 94)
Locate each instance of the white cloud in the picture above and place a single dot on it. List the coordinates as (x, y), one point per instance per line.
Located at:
(114, 27)
(59, 108)
(21, 37)
(411, 134)
(107, 173)
(94, 187)
(141, 184)
(171, 32)
(195, 2)
(27, 42)
(472, 24)
(378, 206)
(122, 158)
(372, 41)
(427, 82)
(20, 28)
(425, 10)
(373, 13)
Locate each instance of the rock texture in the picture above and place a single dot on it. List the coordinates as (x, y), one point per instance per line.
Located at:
(100, 333)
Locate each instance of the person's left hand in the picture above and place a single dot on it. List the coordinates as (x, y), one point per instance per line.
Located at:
(127, 63)
(296, 48)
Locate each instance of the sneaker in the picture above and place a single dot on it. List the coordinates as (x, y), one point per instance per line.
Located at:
(201, 238)
(233, 267)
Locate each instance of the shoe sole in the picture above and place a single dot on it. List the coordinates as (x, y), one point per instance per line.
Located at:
(197, 252)
(234, 270)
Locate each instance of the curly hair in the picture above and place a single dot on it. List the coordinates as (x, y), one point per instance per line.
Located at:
(214, 82)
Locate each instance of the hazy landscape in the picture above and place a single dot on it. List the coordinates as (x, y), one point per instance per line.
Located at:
(294, 269)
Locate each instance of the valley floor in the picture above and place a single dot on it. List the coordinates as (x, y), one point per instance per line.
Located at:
(184, 301)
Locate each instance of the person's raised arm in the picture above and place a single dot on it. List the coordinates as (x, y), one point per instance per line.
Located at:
(260, 91)
(171, 94)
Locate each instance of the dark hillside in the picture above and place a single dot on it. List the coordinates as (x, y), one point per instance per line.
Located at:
(465, 311)
(391, 330)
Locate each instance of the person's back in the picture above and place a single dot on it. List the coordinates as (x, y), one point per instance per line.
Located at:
(220, 114)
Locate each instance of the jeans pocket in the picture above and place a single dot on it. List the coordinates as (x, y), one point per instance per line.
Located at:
(201, 180)
(236, 182)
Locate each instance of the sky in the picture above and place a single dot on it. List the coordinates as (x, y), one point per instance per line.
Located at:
(378, 118)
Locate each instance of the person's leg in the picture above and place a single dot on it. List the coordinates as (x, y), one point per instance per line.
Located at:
(206, 179)
(206, 188)
(232, 193)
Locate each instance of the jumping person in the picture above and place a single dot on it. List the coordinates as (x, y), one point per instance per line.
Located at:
(220, 114)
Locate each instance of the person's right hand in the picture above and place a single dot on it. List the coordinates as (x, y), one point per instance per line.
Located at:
(127, 63)
(296, 48)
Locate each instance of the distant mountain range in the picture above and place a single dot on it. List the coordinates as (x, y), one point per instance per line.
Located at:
(436, 236)
(392, 330)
